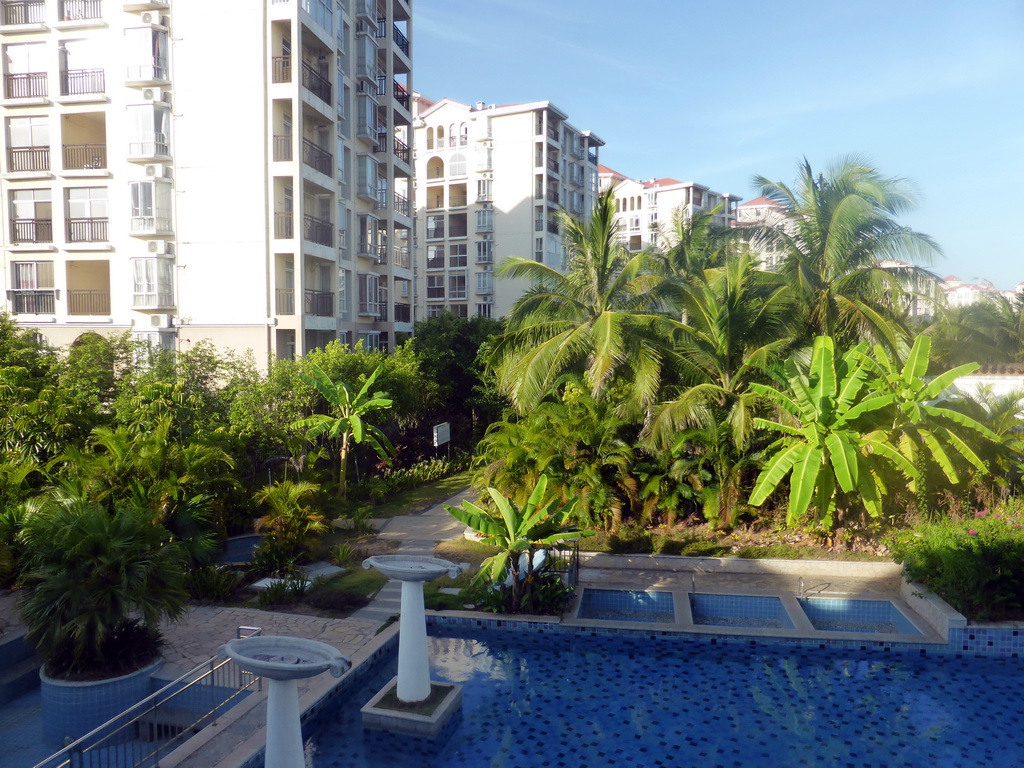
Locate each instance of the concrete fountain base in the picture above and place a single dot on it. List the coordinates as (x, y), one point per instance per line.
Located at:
(425, 725)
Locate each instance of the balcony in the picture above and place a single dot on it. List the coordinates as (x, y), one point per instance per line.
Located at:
(400, 40)
(592, 157)
(315, 84)
(81, 82)
(88, 302)
(283, 229)
(380, 199)
(401, 150)
(435, 231)
(401, 94)
(403, 313)
(456, 200)
(27, 85)
(403, 258)
(85, 157)
(282, 148)
(31, 231)
(282, 66)
(317, 158)
(553, 133)
(80, 10)
(318, 303)
(284, 301)
(28, 159)
(145, 146)
(87, 230)
(402, 205)
(317, 230)
(553, 196)
(18, 12)
(553, 227)
(34, 302)
(485, 257)
(553, 166)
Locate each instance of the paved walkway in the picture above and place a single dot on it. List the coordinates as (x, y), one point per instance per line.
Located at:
(416, 535)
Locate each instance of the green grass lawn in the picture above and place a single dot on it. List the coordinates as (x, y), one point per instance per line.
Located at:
(410, 502)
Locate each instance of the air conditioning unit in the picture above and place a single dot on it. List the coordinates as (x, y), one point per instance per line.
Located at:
(156, 95)
(487, 300)
(161, 247)
(486, 237)
(162, 321)
(155, 19)
(156, 171)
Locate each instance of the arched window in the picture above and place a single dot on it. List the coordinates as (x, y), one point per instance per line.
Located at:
(457, 165)
(440, 137)
(451, 135)
(463, 135)
(430, 138)
(632, 203)
(618, 206)
(435, 168)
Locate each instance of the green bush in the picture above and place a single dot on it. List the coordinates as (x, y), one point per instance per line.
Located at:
(212, 582)
(270, 559)
(379, 487)
(976, 564)
(337, 600)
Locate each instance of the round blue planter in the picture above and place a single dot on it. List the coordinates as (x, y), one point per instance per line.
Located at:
(72, 709)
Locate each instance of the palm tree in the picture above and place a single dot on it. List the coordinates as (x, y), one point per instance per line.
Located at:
(347, 425)
(844, 254)
(596, 320)
(291, 517)
(990, 332)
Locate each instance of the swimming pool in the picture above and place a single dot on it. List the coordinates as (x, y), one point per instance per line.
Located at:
(533, 699)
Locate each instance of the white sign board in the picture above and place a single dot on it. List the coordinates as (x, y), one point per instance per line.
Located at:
(442, 434)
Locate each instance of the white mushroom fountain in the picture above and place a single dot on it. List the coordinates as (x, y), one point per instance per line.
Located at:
(283, 661)
(413, 662)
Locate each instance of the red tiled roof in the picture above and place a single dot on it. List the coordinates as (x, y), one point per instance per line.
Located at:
(950, 279)
(758, 202)
(661, 183)
(604, 169)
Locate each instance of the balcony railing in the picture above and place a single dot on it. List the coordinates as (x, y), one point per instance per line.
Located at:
(161, 297)
(553, 133)
(32, 231)
(148, 144)
(317, 158)
(78, 82)
(484, 225)
(282, 147)
(87, 230)
(317, 230)
(282, 69)
(553, 165)
(401, 204)
(401, 150)
(592, 157)
(401, 40)
(457, 201)
(553, 227)
(27, 85)
(403, 258)
(82, 157)
(151, 223)
(401, 94)
(380, 199)
(318, 303)
(77, 10)
(88, 302)
(485, 257)
(24, 12)
(403, 313)
(284, 301)
(435, 231)
(28, 159)
(315, 84)
(283, 229)
(552, 195)
(34, 302)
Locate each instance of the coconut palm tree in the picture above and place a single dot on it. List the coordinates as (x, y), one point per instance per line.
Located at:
(596, 320)
(845, 255)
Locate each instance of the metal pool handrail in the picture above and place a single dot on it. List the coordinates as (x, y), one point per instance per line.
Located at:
(117, 743)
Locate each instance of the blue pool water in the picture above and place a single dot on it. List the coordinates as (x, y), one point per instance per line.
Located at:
(739, 611)
(534, 700)
(843, 615)
(625, 605)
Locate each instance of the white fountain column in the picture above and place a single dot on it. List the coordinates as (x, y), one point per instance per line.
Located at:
(284, 725)
(413, 662)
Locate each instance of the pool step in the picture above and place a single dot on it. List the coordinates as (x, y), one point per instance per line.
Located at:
(19, 669)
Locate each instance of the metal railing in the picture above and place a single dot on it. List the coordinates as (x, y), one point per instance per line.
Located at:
(87, 230)
(403, 313)
(317, 230)
(402, 204)
(76, 10)
(553, 227)
(401, 94)
(81, 157)
(32, 230)
(403, 258)
(282, 69)
(282, 147)
(317, 158)
(315, 84)
(34, 302)
(88, 302)
(283, 228)
(148, 144)
(25, 85)
(401, 150)
(140, 735)
(401, 40)
(28, 159)
(78, 82)
(24, 12)
(318, 303)
(284, 301)
(592, 157)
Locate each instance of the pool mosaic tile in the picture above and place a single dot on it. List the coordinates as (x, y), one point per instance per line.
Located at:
(843, 615)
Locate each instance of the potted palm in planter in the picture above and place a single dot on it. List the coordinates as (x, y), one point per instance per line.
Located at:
(96, 585)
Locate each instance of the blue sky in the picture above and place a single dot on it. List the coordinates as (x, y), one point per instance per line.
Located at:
(718, 92)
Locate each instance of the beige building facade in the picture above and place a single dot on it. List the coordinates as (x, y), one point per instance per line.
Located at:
(164, 177)
(490, 181)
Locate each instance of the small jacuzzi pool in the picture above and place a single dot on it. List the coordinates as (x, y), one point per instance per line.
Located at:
(239, 549)
(624, 605)
(739, 611)
(843, 615)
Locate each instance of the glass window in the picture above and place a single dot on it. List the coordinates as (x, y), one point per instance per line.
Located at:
(147, 53)
(29, 131)
(457, 286)
(29, 275)
(435, 257)
(457, 255)
(148, 129)
(457, 165)
(435, 286)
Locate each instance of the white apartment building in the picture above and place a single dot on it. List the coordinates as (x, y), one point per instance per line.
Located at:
(489, 183)
(237, 171)
(644, 209)
(762, 211)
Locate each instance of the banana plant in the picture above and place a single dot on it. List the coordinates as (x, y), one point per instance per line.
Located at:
(539, 524)
(822, 448)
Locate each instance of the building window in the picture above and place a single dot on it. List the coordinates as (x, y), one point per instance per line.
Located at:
(485, 282)
(463, 135)
(148, 128)
(147, 50)
(151, 205)
(484, 252)
(435, 286)
(87, 214)
(457, 165)
(29, 148)
(459, 310)
(435, 226)
(457, 286)
(370, 340)
(435, 257)
(485, 220)
(457, 226)
(153, 282)
(483, 191)
(369, 295)
(32, 284)
(484, 310)
(451, 135)
(31, 216)
(457, 255)
(344, 279)
(434, 310)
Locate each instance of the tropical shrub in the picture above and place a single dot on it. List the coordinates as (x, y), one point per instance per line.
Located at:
(216, 583)
(975, 563)
(291, 516)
